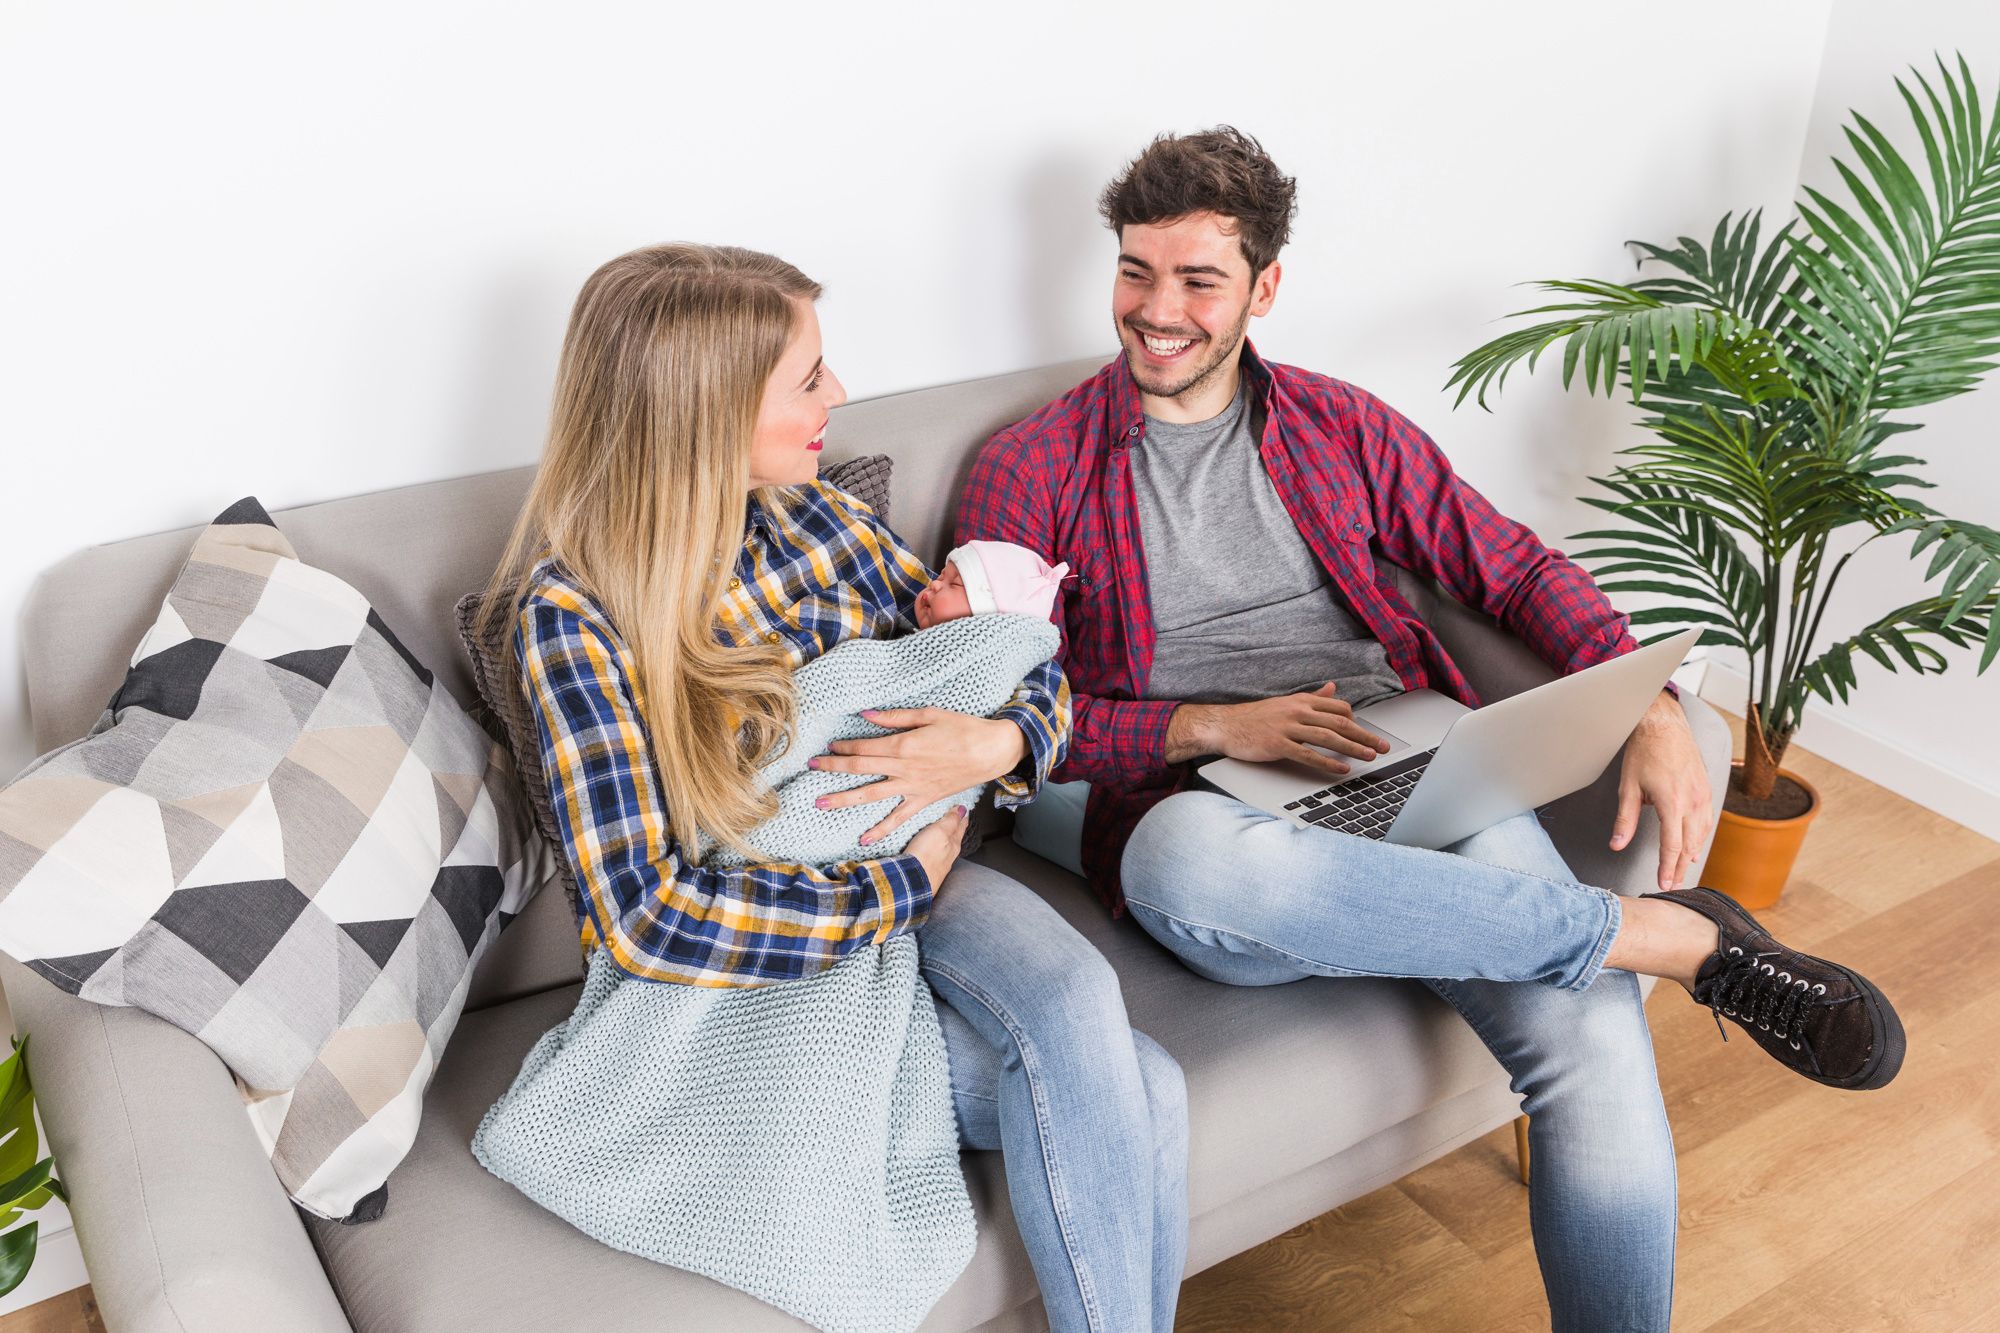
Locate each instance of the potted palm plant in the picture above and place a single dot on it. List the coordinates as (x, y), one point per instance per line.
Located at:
(1772, 375)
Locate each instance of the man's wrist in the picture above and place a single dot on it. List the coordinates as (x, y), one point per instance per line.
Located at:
(1188, 733)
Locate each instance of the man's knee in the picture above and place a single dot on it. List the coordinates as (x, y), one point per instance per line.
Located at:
(1603, 1055)
(1177, 856)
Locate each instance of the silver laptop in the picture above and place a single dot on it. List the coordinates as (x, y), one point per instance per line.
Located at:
(1451, 771)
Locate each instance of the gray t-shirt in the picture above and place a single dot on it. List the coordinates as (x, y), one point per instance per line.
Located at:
(1241, 607)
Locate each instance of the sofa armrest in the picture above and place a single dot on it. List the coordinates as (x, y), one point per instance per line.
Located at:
(183, 1224)
(1500, 666)
(1580, 823)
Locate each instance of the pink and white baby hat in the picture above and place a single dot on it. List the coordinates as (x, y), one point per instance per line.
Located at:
(1000, 576)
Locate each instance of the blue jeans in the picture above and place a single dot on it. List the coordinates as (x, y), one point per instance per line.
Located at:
(1090, 1116)
(1499, 928)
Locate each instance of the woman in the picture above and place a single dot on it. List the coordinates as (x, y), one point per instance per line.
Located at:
(675, 562)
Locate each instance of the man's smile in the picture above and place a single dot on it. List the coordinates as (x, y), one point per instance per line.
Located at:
(1165, 348)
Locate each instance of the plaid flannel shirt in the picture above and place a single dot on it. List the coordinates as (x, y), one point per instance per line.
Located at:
(1356, 476)
(817, 570)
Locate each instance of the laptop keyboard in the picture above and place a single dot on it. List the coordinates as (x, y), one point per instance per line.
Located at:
(1365, 807)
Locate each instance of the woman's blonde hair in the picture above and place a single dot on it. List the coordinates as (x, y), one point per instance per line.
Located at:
(641, 500)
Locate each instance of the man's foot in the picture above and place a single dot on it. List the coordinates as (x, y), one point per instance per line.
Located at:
(1821, 1019)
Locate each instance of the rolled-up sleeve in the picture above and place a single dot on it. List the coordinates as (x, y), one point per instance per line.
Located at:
(1040, 708)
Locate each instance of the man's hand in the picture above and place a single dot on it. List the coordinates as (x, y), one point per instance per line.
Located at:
(1664, 769)
(934, 753)
(1278, 728)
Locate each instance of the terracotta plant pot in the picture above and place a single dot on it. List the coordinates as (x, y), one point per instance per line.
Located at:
(1752, 858)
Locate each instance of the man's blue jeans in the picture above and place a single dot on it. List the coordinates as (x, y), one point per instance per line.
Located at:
(1499, 928)
(1090, 1116)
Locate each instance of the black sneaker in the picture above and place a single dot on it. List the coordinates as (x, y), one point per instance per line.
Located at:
(1818, 1018)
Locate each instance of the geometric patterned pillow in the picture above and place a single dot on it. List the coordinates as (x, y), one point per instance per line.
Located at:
(285, 837)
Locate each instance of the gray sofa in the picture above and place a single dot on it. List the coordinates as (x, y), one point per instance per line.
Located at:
(1303, 1096)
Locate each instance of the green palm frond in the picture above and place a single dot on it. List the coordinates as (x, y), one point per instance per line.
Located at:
(1685, 553)
(1730, 273)
(1899, 638)
(1616, 329)
(1969, 558)
(1899, 295)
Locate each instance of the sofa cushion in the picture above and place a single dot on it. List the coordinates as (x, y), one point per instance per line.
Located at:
(1279, 1080)
(284, 838)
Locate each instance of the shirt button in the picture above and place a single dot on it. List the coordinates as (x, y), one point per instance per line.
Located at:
(1133, 431)
(736, 583)
(773, 637)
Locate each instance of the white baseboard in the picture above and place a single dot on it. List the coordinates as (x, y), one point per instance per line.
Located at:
(1858, 750)
(58, 1268)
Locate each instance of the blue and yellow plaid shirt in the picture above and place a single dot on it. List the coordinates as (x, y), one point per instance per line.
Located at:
(814, 573)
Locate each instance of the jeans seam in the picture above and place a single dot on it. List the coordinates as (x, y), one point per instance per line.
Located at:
(1307, 964)
(1044, 1128)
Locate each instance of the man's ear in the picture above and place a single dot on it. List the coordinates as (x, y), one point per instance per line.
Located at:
(1264, 289)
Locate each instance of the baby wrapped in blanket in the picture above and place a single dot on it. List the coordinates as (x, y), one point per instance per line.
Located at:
(690, 1124)
(982, 626)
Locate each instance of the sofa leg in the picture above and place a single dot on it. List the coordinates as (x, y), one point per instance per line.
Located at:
(1521, 1144)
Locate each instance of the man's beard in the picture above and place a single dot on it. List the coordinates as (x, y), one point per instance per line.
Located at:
(1222, 351)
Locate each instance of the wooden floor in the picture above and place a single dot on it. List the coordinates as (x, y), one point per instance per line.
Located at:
(71, 1312)
(1801, 1207)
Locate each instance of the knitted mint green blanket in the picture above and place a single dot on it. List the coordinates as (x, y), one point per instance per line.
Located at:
(795, 1141)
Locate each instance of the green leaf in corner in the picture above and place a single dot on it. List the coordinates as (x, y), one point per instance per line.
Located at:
(35, 1180)
(17, 1255)
(20, 1144)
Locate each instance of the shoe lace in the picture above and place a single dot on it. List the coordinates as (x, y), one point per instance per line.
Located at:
(1757, 994)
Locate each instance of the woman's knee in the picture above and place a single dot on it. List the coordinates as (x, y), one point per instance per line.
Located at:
(1166, 1092)
(1005, 947)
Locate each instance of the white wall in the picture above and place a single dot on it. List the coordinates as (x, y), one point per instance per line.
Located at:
(312, 251)
(1949, 724)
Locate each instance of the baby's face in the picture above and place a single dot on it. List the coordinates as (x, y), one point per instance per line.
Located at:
(943, 600)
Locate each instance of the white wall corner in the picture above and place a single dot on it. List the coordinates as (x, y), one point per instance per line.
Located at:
(1839, 740)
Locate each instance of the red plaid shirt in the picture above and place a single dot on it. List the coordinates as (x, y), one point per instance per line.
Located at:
(1354, 474)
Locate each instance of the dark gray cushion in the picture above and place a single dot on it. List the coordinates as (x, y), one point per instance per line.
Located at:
(866, 479)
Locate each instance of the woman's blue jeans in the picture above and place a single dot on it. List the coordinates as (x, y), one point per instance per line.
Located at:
(1499, 928)
(1090, 1116)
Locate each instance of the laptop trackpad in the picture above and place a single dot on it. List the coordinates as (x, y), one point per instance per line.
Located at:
(1396, 746)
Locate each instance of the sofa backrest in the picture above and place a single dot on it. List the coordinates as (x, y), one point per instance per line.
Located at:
(415, 550)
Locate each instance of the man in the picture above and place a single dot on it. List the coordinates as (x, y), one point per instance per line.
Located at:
(1223, 514)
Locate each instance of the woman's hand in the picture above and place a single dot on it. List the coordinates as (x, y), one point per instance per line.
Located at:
(937, 846)
(933, 754)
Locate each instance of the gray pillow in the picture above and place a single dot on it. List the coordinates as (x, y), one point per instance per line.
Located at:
(866, 479)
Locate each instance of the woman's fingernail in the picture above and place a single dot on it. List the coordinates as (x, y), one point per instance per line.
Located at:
(821, 803)
(961, 811)
(867, 712)
(867, 838)
(812, 763)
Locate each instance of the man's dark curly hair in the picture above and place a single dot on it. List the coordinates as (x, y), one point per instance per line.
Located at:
(1222, 171)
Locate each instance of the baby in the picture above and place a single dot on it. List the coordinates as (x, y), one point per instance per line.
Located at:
(983, 625)
(980, 578)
